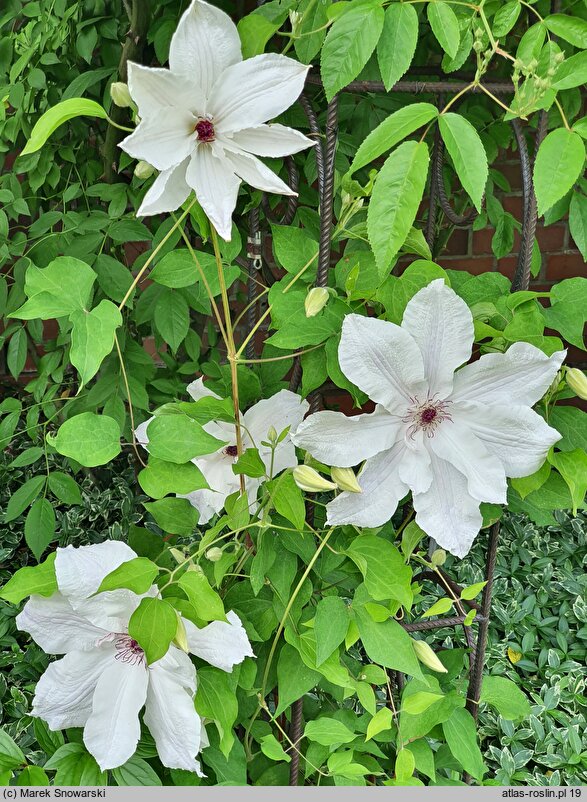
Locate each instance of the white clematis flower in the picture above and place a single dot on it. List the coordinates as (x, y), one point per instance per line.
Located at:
(103, 681)
(284, 409)
(451, 438)
(203, 119)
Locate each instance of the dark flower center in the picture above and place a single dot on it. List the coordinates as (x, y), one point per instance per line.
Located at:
(128, 650)
(427, 415)
(231, 451)
(205, 131)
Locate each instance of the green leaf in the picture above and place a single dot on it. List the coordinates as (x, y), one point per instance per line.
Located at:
(405, 763)
(472, 590)
(294, 677)
(179, 438)
(250, 464)
(461, 736)
(411, 536)
(295, 250)
(205, 600)
(571, 422)
(328, 731)
(330, 626)
(572, 72)
(272, 749)
(528, 484)
(559, 163)
(48, 740)
(288, 499)
(578, 220)
(161, 477)
(255, 31)
(11, 755)
(505, 696)
(176, 516)
(445, 27)
(568, 310)
(467, 153)
(572, 466)
(418, 702)
(381, 721)
(33, 775)
(39, 579)
(396, 197)
(216, 700)
(153, 625)
(384, 570)
(16, 353)
(56, 116)
(89, 439)
(397, 43)
(571, 29)
(349, 44)
(64, 487)
(75, 767)
(27, 457)
(136, 772)
(39, 526)
(438, 608)
(92, 338)
(505, 18)
(137, 575)
(172, 318)
(387, 644)
(395, 292)
(44, 289)
(23, 497)
(394, 128)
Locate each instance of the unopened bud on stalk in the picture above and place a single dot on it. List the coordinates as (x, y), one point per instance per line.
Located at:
(181, 638)
(214, 554)
(120, 95)
(308, 479)
(426, 656)
(559, 57)
(272, 434)
(316, 300)
(144, 170)
(346, 480)
(577, 381)
(438, 557)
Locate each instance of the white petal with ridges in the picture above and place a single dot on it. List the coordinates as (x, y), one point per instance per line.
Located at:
(154, 90)
(221, 644)
(55, 626)
(205, 43)
(216, 187)
(516, 435)
(255, 91)
(414, 469)
(64, 693)
(282, 410)
(80, 571)
(383, 360)
(442, 325)
(197, 389)
(446, 511)
(382, 490)
(520, 376)
(254, 172)
(335, 439)
(167, 193)
(113, 730)
(271, 140)
(455, 442)
(164, 141)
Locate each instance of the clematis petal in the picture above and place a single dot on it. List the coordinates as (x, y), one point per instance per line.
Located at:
(204, 44)
(167, 192)
(113, 729)
(222, 481)
(382, 489)
(442, 325)
(221, 644)
(216, 187)
(271, 140)
(520, 376)
(414, 469)
(63, 696)
(383, 360)
(80, 571)
(282, 410)
(447, 511)
(164, 141)
(56, 627)
(154, 90)
(197, 389)
(141, 432)
(516, 435)
(254, 91)
(171, 716)
(335, 439)
(111, 610)
(455, 442)
(254, 172)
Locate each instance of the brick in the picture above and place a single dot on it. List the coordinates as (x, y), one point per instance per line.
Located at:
(507, 266)
(514, 205)
(458, 243)
(551, 238)
(564, 265)
(512, 173)
(474, 265)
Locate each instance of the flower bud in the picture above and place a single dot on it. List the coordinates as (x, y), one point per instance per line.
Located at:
(214, 554)
(181, 638)
(478, 46)
(144, 170)
(308, 479)
(346, 480)
(316, 300)
(425, 655)
(438, 557)
(272, 434)
(559, 57)
(577, 381)
(120, 95)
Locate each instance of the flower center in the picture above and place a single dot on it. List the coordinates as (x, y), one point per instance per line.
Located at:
(205, 130)
(231, 451)
(128, 650)
(426, 416)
